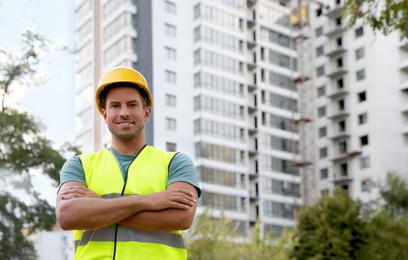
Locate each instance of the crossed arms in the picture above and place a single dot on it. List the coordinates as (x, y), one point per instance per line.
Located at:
(173, 209)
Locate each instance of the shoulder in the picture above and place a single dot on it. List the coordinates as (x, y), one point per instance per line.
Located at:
(74, 161)
(182, 169)
(181, 159)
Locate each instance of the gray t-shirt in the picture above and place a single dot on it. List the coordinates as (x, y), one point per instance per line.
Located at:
(181, 169)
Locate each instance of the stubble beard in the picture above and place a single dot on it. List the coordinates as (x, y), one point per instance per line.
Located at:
(125, 136)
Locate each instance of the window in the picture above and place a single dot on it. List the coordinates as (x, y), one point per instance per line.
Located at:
(320, 71)
(319, 31)
(344, 169)
(339, 62)
(359, 53)
(364, 140)
(321, 91)
(321, 111)
(362, 119)
(341, 104)
(324, 173)
(170, 30)
(170, 7)
(362, 96)
(364, 162)
(359, 32)
(360, 75)
(323, 152)
(339, 42)
(171, 100)
(319, 51)
(171, 147)
(342, 126)
(319, 11)
(170, 53)
(171, 124)
(340, 83)
(322, 131)
(170, 76)
(338, 21)
(366, 185)
(342, 147)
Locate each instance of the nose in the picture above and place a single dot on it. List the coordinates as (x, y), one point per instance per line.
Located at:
(124, 112)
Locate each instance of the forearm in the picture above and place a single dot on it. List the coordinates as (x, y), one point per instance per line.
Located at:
(93, 213)
(80, 208)
(164, 221)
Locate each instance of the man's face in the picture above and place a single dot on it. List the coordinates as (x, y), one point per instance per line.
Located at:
(124, 113)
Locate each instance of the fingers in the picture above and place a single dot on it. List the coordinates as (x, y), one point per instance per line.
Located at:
(77, 192)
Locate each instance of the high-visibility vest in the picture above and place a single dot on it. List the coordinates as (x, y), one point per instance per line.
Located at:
(147, 174)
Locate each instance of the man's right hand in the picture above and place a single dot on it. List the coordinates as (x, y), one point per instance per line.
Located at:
(176, 199)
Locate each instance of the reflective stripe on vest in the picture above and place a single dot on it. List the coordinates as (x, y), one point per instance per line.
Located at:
(147, 174)
(129, 235)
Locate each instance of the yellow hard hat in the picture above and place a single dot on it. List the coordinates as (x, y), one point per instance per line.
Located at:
(121, 74)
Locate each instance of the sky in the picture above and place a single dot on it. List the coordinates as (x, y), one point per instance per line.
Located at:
(51, 103)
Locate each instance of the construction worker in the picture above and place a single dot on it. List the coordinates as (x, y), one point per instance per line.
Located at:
(131, 200)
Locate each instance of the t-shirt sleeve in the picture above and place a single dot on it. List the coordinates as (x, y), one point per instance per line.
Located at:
(182, 169)
(72, 171)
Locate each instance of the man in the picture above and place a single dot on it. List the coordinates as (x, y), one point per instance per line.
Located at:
(129, 201)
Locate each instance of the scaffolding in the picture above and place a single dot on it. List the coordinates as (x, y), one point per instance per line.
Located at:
(303, 155)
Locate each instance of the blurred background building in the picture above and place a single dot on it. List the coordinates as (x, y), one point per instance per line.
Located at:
(276, 101)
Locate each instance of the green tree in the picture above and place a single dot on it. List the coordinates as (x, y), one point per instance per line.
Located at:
(384, 16)
(213, 239)
(388, 224)
(23, 149)
(331, 229)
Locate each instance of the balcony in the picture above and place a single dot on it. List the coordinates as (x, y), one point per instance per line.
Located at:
(336, 30)
(251, 44)
(405, 130)
(338, 93)
(341, 178)
(252, 131)
(252, 152)
(251, 2)
(404, 65)
(251, 87)
(251, 23)
(404, 46)
(334, 12)
(252, 109)
(339, 114)
(337, 72)
(404, 86)
(405, 109)
(251, 66)
(336, 51)
(340, 135)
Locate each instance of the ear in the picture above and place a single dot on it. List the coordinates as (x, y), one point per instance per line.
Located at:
(147, 112)
(104, 114)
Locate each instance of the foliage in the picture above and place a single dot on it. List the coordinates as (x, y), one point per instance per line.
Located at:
(24, 149)
(395, 195)
(213, 239)
(384, 16)
(388, 226)
(387, 238)
(20, 69)
(331, 229)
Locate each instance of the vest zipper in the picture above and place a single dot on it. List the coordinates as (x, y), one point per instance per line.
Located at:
(123, 191)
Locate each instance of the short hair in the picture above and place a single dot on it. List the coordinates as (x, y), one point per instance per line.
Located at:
(104, 92)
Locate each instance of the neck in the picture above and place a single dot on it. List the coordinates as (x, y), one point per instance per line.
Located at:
(131, 147)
